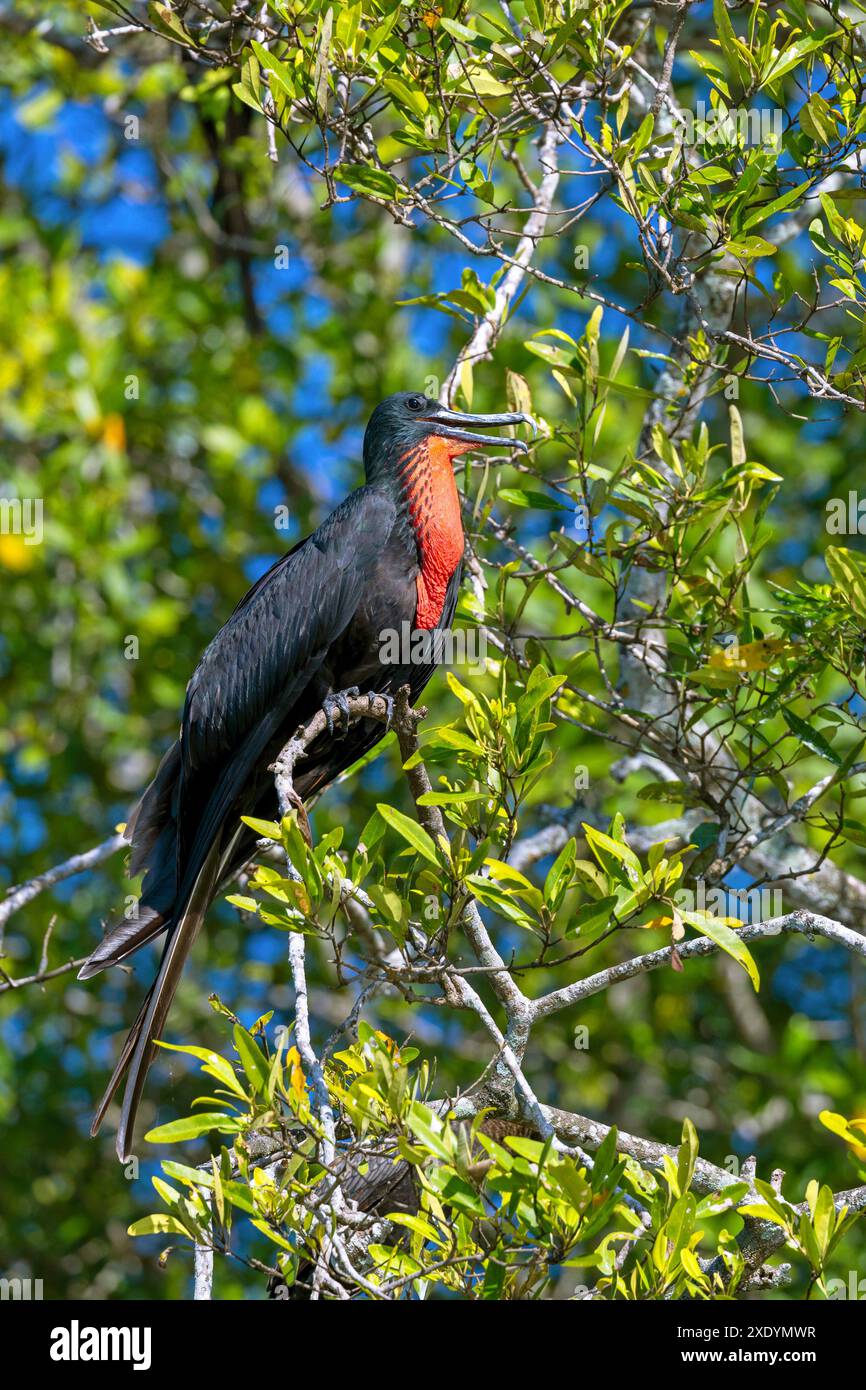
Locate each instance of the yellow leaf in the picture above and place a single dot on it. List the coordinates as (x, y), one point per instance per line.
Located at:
(498, 870)
(751, 656)
(15, 554)
(114, 433)
(691, 1266)
(463, 695)
(297, 1083)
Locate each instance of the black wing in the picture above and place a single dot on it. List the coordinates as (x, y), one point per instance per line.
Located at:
(257, 667)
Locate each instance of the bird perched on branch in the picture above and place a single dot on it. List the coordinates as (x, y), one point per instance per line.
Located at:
(307, 634)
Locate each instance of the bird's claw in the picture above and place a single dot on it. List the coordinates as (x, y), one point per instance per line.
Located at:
(389, 705)
(338, 704)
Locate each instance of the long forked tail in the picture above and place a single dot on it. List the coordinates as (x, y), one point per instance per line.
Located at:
(153, 828)
(122, 1063)
(140, 1046)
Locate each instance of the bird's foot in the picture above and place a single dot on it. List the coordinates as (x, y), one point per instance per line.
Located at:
(389, 705)
(338, 705)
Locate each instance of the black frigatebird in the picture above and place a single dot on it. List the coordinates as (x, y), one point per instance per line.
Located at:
(309, 631)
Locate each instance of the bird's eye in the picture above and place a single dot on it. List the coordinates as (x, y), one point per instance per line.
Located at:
(416, 402)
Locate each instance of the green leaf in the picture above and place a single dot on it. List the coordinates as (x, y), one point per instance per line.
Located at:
(681, 1222)
(192, 1127)
(677, 793)
(767, 210)
(724, 1200)
(215, 1065)
(728, 940)
(793, 55)
(824, 1219)
(559, 874)
(410, 97)
(421, 1126)
(687, 1156)
(167, 22)
(519, 497)
(245, 904)
(375, 182)
(415, 1223)
(465, 34)
(274, 1235)
(280, 75)
(159, 1224)
(413, 833)
(372, 833)
(711, 174)
(240, 1196)
(486, 85)
(254, 1062)
(747, 248)
(810, 737)
(267, 829)
(602, 844)
(455, 798)
(729, 43)
(592, 915)
(393, 909)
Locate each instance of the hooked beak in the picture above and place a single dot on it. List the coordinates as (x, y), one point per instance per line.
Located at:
(451, 424)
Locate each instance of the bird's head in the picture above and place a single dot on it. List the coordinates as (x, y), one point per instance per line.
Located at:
(407, 420)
